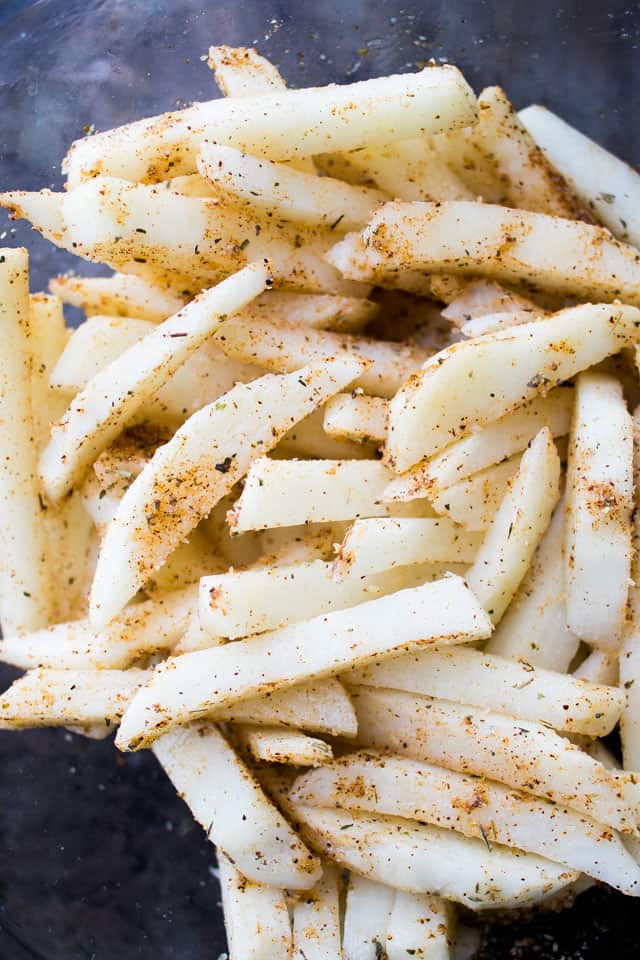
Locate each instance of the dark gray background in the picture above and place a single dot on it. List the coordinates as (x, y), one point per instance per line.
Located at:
(98, 858)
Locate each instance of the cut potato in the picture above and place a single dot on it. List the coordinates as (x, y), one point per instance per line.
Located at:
(242, 72)
(356, 416)
(316, 920)
(322, 707)
(118, 296)
(308, 439)
(256, 918)
(409, 170)
(473, 503)
(480, 298)
(419, 926)
(599, 667)
(275, 745)
(314, 310)
(367, 910)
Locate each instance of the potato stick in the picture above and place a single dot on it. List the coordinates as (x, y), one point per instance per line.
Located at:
(356, 416)
(525, 755)
(48, 339)
(438, 613)
(274, 190)
(236, 551)
(367, 910)
(256, 918)
(275, 745)
(281, 126)
(229, 804)
(599, 667)
(119, 296)
(203, 460)
(316, 310)
(473, 503)
(322, 707)
(308, 439)
(515, 246)
(432, 409)
(100, 411)
(534, 627)
(493, 322)
(459, 150)
(481, 297)
(280, 347)
(190, 185)
(142, 628)
(283, 546)
(409, 170)
(48, 698)
(92, 346)
(419, 926)
(419, 858)
(607, 185)
(598, 514)
(516, 688)
(400, 787)
(284, 493)
(193, 558)
(488, 445)
(530, 181)
(378, 544)
(26, 587)
(242, 72)
(349, 257)
(523, 516)
(629, 662)
(316, 920)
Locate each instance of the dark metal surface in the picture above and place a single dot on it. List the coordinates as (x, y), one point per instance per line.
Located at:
(98, 858)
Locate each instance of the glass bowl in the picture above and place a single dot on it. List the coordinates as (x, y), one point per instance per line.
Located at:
(99, 859)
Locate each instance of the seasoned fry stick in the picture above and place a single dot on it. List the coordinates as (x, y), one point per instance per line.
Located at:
(275, 745)
(322, 707)
(367, 910)
(316, 310)
(192, 685)
(630, 650)
(410, 170)
(308, 439)
(242, 72)
(256, 917)
(356, 416)
(599, 667)
(119, 295)
(481, 297)
(204, 460)
(473, 502)
(316, 920)
(419, 926)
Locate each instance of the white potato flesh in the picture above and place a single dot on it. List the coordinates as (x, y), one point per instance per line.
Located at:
(381, 543)
(488, 445)
(516, 688)
(275, 745)
(323, 707)
(473, 503)
(522, 518)
(563, 256)
(203, 461)
(316, 920)
(26, 574)
(530, 181)
(420, 858)
(53, 698)
(242, 72)
(629, 662)
(479, 298)
(410, 170)
(256, 918)
(274, 190)
(282, 126)
(534, 627)
(227, 801)
(308, 439)
(100, 411)
(493, 322)
(281, 346)
(459, 150)
(487, 811)
(118, 296)
(356, 416)
(598, 513)
(48, 337)
(439, 613)
(367, 910)
(419, 926)
(316, 310)
(522, 754)
(285, 493)
(608, 185)
(460, 389)
(599, 667)
(94, 344)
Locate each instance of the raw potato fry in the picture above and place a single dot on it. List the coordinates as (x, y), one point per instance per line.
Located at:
(49, 698)
(92, 346)
(356, 416)
(441, 403)
(192, 558)
(515, 246)
(230, 805)
(256, 917)
(308, 439)
(316, 920)
(203, 461)
(599, 667)
(280, 347)
(315, 310)
(473, 503)
(419, 926)
(481, 297)
(274, 190)
(26, 587)
(517, 528)
(118, 296)
(418, 858)
(530, 181)
(285, 493)
(492, 444)
(242, 72)
(367, 911)
(609, 187)
(527, 756)
(516, 688)
(629, 662)
(99, 413)
(534, 627)
(458, 149)
(322, 707)
(400, 787)
(275, 745)
(598, 515)
(378, 544)
(493, 323)
(196, 683)
(282, 126)
(48, 337)
(409, 170)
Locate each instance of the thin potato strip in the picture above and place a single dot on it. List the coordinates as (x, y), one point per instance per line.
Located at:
(459, 150)
(242, 72)
(275, 745)
(419, 926)
(314, 310)
(256, 918)
(308, 439)
(473, 503)
(599, 667)
(316, 920)
(367, 910)
(630, 651)
(479, 298)
(493, 323)
(437, 613)
(409, 170)
(118, 296)
(322, 707)
(356, 416)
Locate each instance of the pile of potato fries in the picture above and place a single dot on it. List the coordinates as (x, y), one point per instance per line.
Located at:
(373, 602)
